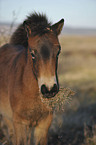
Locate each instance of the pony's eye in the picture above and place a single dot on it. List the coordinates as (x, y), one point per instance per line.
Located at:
(33, 55)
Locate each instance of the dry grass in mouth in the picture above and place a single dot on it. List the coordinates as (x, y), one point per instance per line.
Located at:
(58, 102)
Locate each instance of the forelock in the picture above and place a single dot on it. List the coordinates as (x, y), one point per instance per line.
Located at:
(38, 23)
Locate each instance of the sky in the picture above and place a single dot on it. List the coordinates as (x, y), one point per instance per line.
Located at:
(76, 13)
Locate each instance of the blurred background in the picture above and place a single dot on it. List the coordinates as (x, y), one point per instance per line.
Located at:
(77, 62)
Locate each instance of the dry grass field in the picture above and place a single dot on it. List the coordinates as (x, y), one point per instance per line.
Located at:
(77, 66)
(77, 70)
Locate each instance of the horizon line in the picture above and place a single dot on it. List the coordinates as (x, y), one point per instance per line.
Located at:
(65, 26)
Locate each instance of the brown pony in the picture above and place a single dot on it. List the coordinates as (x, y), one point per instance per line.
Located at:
(28, 68)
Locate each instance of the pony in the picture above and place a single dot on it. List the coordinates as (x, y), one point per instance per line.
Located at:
(28, 72)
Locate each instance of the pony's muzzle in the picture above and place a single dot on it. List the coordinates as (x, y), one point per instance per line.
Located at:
(48, 93)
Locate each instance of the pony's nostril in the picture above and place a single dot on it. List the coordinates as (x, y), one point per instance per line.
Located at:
(44, 89)
(54, 89)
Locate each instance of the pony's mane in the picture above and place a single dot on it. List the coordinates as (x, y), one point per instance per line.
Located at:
(37, 23)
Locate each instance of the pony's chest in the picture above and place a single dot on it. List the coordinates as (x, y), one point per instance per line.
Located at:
(35, 112)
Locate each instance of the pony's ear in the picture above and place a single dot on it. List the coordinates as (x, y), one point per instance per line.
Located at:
(57, 27)
(27, 28)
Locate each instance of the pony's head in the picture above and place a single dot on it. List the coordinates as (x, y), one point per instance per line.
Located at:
(44, 50)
